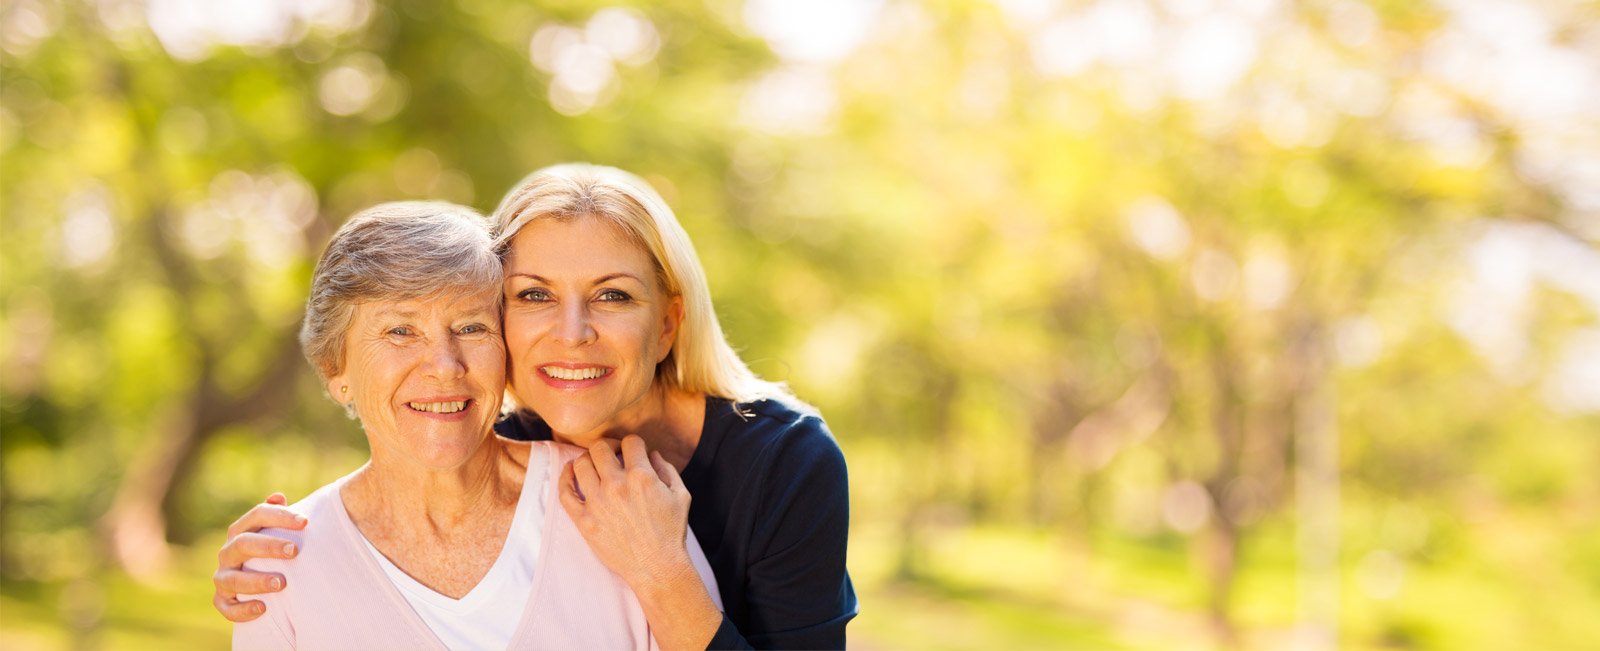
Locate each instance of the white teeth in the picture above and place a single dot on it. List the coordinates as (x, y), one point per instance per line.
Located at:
(439, 407)
(573, 373)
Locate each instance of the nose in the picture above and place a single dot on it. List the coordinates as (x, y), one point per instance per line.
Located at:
(574, 328)
(444, 360)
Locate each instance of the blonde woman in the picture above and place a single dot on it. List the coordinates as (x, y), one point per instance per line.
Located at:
(612, 337)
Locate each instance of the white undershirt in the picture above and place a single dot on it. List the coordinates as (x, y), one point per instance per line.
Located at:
(488, 616)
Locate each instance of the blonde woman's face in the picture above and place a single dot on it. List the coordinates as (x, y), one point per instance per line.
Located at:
(586, 324)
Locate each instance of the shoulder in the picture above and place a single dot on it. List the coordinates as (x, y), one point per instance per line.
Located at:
(321, 501)
(324, 512)
(783, 435)
(521, 452)
(781, 441)
(557, 452)
(797, 494)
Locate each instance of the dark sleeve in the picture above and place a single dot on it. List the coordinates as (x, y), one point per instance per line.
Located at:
(798, 592)
(727, 637)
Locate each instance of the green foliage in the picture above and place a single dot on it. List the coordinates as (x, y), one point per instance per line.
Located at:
(1094, 348)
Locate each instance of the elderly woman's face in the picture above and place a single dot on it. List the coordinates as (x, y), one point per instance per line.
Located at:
(426, 375)
(586, 323)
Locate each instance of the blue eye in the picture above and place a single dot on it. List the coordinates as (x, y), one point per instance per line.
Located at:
(612, 296)
(400, 331)
(535, 295)
(473, 329)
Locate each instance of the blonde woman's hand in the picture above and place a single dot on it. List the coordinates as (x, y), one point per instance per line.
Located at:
(634, 512)
(244, 543)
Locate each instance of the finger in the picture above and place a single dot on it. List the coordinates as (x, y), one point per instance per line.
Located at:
(239, 611)
(667, 473)
(569, 480)
(634, 454)
(246, 546)
(613, 444)
(605, 463)
(588, 480)
(262, 516)
(278, 499)
(231, 583)
(571, 500)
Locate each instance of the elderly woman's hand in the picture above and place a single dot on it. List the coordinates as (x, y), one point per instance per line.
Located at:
(245, 543)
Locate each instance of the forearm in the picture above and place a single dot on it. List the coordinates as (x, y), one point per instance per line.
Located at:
(679, 608)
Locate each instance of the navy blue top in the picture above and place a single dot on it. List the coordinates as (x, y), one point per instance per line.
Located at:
(771, 509)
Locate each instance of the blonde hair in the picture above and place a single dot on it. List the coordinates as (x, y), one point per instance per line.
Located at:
(701, 360)
(393, 251)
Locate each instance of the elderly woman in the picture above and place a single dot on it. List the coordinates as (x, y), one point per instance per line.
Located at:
(612, 337)
(449, 537)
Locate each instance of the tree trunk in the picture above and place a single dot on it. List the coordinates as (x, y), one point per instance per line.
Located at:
(1222, 562)
(1222, 548)
(135, 528)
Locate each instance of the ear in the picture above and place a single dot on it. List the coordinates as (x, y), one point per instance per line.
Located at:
(671, 320)
(339, 389)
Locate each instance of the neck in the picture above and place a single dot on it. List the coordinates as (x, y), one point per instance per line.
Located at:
(668, 420)
(405, 494)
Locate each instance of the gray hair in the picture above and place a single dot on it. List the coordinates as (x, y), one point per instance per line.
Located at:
(401, 250)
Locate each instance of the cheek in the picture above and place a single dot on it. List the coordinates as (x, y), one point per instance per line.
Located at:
(371, 385)
(489, 363)
(651, 339)
(519, 341)
(519, 332)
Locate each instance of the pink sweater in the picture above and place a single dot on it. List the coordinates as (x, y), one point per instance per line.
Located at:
(339, 598)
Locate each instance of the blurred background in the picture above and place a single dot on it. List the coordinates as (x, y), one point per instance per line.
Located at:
(1144, 324)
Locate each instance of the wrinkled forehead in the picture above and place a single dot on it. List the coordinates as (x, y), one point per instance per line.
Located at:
(455, 301)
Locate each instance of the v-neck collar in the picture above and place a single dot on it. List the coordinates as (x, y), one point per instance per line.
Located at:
(397, 601)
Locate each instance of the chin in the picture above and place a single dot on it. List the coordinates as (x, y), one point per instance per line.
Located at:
(568, 421)
(450, 453)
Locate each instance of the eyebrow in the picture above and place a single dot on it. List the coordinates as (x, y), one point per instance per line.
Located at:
(608, 277)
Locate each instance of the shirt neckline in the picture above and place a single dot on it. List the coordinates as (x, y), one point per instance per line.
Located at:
(492, 582)
(398, 602)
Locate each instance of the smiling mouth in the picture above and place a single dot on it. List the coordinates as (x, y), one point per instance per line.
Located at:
(572, 374)
(439, 407)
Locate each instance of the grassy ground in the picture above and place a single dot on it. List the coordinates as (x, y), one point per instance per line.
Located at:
(1014, 590)
(975, 588)
(990, 588)
(115, 612)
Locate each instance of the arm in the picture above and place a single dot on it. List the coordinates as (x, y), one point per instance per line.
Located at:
(244, 543)
(634, 515)
(798, 594)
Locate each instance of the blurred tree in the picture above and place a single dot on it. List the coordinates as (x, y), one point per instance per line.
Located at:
(1306, 288)
(1089, 252)
(200, 162)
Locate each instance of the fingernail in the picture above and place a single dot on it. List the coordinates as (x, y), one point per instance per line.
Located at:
(276, 583)
(259, 608)
(288, 549)
(299, 519)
